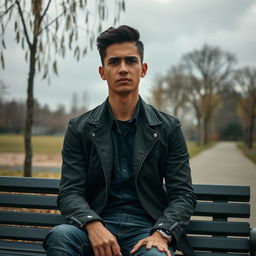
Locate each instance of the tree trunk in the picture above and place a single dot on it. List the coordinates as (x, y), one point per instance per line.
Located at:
(30, 95)
(30, 113)
(198, 130)
(251, 128)
(205, 132)
(250, 140)
(246, 129)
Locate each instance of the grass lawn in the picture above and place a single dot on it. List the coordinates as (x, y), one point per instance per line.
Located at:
(53, 144)
(194, 148)
(17, 173)
(41, 144)
(250, 153)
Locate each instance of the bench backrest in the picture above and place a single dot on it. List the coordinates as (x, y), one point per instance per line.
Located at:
(212, 228)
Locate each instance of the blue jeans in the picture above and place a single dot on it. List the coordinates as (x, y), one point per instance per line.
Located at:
(69, 240)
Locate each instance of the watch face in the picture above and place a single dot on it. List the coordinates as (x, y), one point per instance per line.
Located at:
(164, 233)
(168, 233)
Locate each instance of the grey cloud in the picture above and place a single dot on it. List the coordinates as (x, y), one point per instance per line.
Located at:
(168, 29)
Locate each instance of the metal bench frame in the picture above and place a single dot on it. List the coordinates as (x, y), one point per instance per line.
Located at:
(213, 229)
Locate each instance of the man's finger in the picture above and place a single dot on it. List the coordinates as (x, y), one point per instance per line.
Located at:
(149, 245)
(101, 251)
(167, 252)
(108, 251)
(137, 246)
(96, 252)
(160, 248)
(116, 250)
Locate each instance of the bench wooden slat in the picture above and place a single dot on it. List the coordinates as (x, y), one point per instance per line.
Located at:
(220, 244)
(20, 246)
(194, 227)
(20, 253)
(29, 218)
(24, 233)
(219, 254)
(48, 186)
(28, 201)
(222, 192)
(218, 228)
(239, 210)
(29, 185)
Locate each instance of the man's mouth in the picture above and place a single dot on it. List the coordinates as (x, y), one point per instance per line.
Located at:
(123, 80)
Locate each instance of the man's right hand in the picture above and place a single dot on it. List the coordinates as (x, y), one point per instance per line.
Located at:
(103, 242)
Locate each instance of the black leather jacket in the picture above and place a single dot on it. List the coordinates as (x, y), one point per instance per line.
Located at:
(160, 156)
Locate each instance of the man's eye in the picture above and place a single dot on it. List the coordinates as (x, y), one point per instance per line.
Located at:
(113, 62)
(132, 60)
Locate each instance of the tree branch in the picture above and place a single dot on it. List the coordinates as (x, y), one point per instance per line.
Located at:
(23, 23)
(6, 11)
(49, 24)
(45, 11)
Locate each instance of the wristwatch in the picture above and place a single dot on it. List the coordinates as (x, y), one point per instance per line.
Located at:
(165, 234)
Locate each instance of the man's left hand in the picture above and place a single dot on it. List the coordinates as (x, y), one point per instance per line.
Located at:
(155, 240)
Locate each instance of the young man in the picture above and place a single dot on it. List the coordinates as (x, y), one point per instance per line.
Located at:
(126, 184)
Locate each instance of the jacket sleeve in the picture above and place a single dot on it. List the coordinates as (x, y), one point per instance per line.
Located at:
(181, 198)
(72, 192)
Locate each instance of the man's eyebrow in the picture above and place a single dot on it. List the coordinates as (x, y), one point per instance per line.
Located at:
(131, 57)
(114, 58)
(124, 57)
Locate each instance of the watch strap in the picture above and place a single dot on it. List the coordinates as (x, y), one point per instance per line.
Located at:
(165, 234)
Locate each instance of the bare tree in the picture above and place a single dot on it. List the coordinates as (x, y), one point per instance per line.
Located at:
(43, 38)
(158, 94)
(176, 90)
(209, 68)
(191, 89)
(246, 82)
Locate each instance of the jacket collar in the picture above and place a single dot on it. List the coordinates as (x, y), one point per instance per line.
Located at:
(99, 115)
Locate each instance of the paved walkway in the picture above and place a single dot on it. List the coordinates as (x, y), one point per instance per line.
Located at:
(225, 164)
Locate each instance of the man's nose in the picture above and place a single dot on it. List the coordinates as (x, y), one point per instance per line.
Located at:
(123, 68)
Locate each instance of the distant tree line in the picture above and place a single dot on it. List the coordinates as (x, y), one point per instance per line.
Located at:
(46, 121)
(207, 86)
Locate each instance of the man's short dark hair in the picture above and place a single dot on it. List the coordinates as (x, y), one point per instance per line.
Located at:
(120, 34)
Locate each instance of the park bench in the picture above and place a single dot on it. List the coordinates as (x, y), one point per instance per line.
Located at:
(213, 231)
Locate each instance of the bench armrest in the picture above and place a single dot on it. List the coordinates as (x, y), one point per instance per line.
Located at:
(253, 239)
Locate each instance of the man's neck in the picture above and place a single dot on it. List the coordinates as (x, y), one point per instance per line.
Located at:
(123, 107)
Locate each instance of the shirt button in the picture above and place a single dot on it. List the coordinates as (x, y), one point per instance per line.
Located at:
(93, 134)
(155, 135)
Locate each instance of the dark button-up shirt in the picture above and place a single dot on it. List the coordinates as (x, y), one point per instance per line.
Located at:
(123, 196)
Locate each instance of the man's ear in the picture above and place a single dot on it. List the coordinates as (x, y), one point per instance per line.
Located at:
(102, 73)
(144, 68)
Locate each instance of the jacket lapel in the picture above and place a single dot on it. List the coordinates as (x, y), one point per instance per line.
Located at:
(145, 140)
(102, 139)
(146, 137)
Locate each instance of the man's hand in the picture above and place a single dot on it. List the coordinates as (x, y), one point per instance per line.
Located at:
(103, 242)
(155, 240)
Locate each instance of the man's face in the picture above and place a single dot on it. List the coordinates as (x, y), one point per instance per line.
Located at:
(122, 68)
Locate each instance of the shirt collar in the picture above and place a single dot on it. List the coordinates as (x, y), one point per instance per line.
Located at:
(134, 118)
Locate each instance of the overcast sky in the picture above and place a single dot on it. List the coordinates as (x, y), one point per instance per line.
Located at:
(169, 29)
